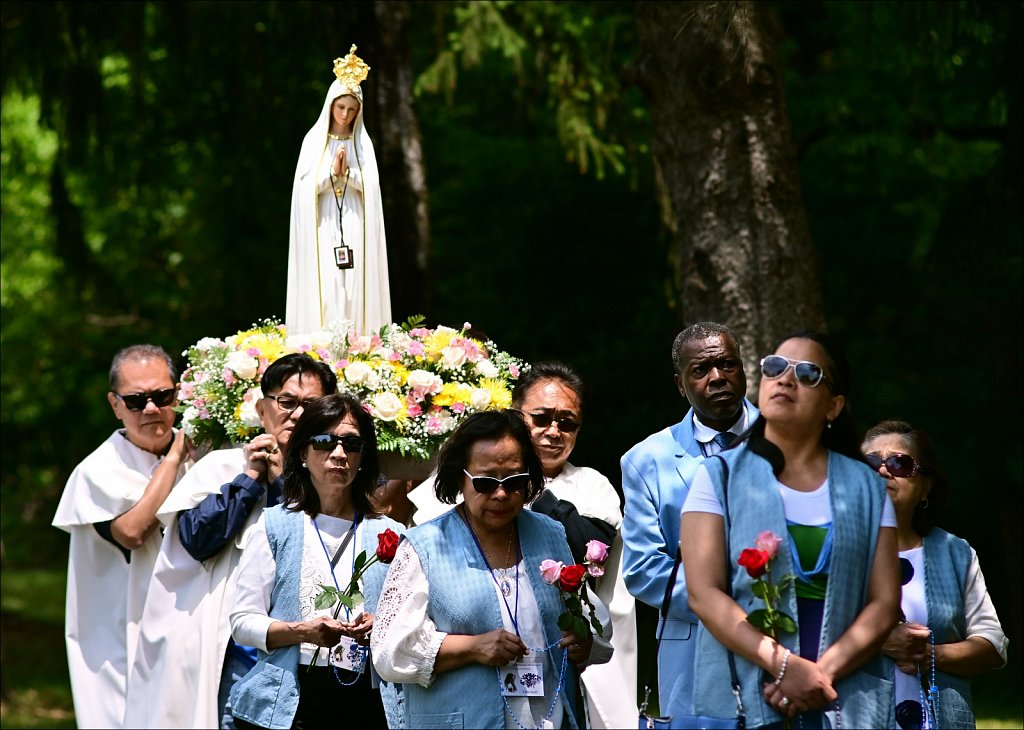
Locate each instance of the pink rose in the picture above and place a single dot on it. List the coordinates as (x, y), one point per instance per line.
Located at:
(550, 570)
(595, 570)
(769, 542)
(414, 409)
(513, 370)
(597, 552)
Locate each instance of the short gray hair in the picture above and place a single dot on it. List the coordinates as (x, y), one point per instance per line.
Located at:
(137, 353)
(697, 332)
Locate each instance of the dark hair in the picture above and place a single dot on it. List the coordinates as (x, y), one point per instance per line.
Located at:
(696, 333)
(840, 436)
(920, 447)
(299, 363)
(484, 426)
(319, 417)
(139, 353)
(548, 370)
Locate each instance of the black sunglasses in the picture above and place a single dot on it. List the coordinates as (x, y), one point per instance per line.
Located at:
(289, 403)
(511, 483)
(329, 442)
(899, 465)
(138, 401)
(567, 424)
(807, 373)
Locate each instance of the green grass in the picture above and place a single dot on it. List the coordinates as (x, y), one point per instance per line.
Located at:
(37, 693)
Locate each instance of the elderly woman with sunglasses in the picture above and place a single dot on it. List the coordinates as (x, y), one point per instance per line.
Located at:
(797, 473)
(950, 630)
(309, 541)
(465, 619)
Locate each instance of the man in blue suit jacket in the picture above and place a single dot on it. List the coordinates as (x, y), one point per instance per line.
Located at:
(656, 475)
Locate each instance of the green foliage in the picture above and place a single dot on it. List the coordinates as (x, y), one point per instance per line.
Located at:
(567, 54)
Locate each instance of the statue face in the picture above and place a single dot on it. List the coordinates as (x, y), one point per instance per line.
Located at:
(344, 111)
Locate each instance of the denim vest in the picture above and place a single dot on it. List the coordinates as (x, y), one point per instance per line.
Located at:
(947, 558)
(268, 695)
(462, 601)
(866, 697)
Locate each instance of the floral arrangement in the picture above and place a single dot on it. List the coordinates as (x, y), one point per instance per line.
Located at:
(570, 581)
(418, 383)
(757, 561)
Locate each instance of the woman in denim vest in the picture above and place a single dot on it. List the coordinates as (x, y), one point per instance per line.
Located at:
(465, 619)
(947, 615)
(798, 472)
(312, 669)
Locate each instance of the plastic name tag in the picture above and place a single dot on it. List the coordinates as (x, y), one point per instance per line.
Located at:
(524, 678)
(347, 654)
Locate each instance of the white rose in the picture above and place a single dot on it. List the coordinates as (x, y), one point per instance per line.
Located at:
(248, 414)
(387, 406)
(357, 372)
(244, 364)
(208, 343)
(479, 399)
(487, 369)
(320, 339)
(453, 357)
(424, 380)
(188, 421)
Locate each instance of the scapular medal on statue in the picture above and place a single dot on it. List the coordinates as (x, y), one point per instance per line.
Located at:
(342, 254)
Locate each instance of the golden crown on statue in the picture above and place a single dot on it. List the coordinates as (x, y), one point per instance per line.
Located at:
(351, 70)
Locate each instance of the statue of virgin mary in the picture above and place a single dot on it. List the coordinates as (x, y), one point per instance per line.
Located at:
(337, 254)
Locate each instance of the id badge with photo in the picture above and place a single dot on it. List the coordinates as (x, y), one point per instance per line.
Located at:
(347, 654)
(525, 678)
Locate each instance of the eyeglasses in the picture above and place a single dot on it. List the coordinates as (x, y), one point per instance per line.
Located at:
(511, 483)
(899, 465)
(289, 403)
(807, 373)
(329, 442)
(138, 401)
(568, 424)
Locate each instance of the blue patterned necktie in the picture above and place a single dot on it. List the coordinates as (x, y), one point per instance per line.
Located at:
(724, 439)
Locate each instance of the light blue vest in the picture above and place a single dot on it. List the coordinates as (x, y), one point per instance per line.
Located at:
(857, 494)
(268, 695)
(947, 558)
(462, 601)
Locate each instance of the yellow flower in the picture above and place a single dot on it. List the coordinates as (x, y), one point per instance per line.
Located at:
(453, 393)
(401, 373)
(270, 346)
(437, 341)
(501, 397)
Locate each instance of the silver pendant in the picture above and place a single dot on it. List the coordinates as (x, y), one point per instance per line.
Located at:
(506, 588)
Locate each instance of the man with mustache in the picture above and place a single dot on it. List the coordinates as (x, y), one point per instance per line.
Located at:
(109, 507)
(656, 476)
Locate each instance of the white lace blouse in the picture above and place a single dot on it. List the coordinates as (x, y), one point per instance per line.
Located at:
(250, 619)
(405, 640)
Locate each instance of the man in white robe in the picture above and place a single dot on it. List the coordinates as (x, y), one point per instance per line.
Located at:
(109, 507)
(185, 666)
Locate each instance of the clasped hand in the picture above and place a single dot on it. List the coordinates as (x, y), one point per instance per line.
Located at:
(579, 649)
(339, 166)
(359, 628)
(907, 645)
(804, 687)
(498, 648)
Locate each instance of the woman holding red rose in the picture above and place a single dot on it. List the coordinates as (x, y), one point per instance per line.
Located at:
(296, 548)
(465, 595)
(796, 473)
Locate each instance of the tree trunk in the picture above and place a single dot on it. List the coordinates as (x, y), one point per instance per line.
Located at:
(726, 170)
(400, 161)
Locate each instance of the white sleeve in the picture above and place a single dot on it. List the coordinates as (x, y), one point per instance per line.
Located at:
(980, 613)
(404, 642)
(888, 512)
(702, 497)
(250, 616)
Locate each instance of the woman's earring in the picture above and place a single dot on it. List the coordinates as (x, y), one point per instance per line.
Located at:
(829, 424)
(924, 503)
(304, 465)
